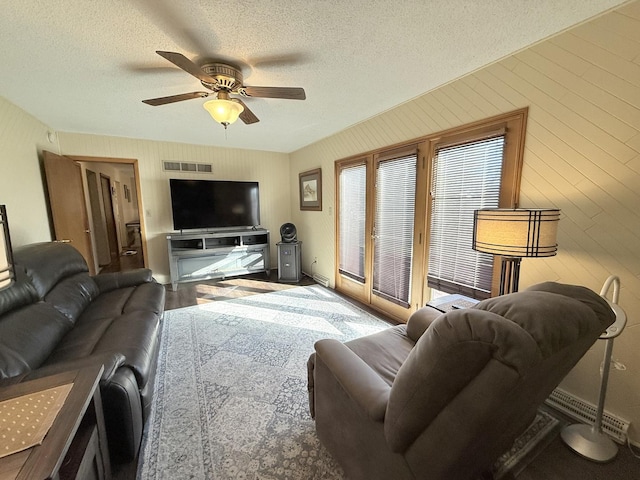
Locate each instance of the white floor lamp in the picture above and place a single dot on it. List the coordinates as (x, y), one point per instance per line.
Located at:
(589, 440)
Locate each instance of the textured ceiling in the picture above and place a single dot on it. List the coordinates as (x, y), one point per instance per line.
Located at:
(85, 65)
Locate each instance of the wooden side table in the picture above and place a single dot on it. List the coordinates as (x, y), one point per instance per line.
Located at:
(76, 445)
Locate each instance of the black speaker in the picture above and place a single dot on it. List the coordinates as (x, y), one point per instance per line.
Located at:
(288, 233)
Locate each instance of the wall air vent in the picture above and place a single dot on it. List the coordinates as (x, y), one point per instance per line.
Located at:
(169, 166)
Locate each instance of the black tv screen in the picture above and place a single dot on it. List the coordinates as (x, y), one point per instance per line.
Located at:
(214, 204)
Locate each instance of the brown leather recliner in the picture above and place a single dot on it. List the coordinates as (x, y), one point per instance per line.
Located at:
(444, 396)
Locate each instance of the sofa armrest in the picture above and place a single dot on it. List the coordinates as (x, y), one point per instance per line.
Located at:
(363, 385)
(420, 320)
(111, 281)
(110, 361)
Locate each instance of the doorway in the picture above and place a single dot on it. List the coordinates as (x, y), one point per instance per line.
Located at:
(108, 194)
(109, 216)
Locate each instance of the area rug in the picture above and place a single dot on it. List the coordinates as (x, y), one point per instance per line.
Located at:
(231, 398)
(537, 435)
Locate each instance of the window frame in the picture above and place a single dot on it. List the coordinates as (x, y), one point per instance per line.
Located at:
(513, 125)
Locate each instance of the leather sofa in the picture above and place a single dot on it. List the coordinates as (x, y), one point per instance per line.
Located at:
(57, 317)
(443, 396)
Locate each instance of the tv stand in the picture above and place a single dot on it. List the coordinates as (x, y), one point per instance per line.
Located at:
(205, 256)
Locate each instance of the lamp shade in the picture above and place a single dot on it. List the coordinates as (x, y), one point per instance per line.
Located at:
(6, 258)
(224, 110)
(516, 232)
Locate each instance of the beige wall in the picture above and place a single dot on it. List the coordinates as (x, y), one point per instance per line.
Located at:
(268, 168)
(22, 139)
(582, 155)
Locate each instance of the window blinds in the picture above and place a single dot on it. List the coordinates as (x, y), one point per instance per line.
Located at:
(353, 198)
(393, 228)
(465, 177)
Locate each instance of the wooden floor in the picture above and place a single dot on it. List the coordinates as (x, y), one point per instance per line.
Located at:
(129, 259)
(558, 462)
(555, 462)
(197, 293)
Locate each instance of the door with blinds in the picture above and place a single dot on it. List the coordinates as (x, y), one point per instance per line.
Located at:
(376, 230)
(353, 225)
(393, 230)
(404, 216)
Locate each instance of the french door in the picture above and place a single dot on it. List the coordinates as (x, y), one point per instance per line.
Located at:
(376, 217)
(401, 211)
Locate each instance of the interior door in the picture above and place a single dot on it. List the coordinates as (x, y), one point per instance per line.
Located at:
(68, 207)
(110, 223)
(101, 251)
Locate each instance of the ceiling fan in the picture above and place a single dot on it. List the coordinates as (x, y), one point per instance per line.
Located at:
(223, 80)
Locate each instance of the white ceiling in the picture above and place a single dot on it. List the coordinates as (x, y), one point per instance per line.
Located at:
(85, 65)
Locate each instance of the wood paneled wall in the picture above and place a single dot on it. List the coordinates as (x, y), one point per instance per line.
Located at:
(582, 155)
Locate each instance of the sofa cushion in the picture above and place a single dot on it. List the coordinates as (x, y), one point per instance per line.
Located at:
(595, 302)
(72, 295)
(384, 351)
(134, 335)
(144, 297)
(129, 278)
(48, 263)
(28, 335)
(420, 320)
(544, 316)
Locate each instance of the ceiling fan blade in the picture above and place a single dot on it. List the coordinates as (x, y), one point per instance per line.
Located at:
(289, 93)
(174, 98)
(187, 65)
(247, 116)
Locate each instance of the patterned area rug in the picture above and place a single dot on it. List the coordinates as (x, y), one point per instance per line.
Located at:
(537, 435)
(231, 397)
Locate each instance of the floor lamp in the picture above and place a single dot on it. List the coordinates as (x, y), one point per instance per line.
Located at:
(7, 274)
(589, 440)
(514, 234)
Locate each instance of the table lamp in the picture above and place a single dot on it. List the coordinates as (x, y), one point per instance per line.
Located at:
(514, 234)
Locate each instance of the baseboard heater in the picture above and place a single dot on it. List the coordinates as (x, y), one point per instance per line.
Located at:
(583, 411)
(321, 279)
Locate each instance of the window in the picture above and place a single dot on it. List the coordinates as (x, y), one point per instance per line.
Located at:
(464, 178)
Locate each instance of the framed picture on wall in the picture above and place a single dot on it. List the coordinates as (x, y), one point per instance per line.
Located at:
(311, 190)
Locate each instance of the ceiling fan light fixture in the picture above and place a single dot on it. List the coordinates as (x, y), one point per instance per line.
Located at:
(224, 110)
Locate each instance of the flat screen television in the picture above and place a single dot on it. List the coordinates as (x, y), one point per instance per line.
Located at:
(201, 204)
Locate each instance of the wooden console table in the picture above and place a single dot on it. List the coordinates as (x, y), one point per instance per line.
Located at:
(76, 445)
